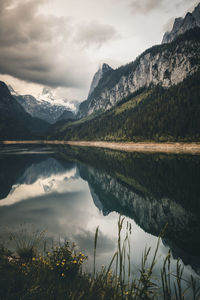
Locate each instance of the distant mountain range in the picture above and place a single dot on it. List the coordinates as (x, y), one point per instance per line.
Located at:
(45, 106)
(15, 122)
(156, 97)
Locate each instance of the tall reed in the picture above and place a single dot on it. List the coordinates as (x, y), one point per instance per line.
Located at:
(169, 286)
(58, 274)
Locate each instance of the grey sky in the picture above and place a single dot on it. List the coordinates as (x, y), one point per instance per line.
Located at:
(60, 43)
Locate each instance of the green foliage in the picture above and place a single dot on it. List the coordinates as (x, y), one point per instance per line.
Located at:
(57, 275)
(156, 114)
(42, 277)
(26, 244)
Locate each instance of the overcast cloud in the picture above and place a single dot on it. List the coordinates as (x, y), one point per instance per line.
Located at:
(60, 44)
(146, 6)
(44, 48)
(95, 34)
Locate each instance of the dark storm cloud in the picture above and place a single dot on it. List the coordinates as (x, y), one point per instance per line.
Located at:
(96, 34)
(42, 48)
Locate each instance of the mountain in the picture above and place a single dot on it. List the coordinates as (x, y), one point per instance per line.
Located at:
(98, 75)
(15, 122)
(66, 115)
(41, 109)
(156, 113)
(45, 107)
(181, 25)
(165, 65)
(83, 108)
(50, 96)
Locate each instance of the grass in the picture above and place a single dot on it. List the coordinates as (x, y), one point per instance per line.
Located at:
(26, 244)
(57, 274)
(132, 103)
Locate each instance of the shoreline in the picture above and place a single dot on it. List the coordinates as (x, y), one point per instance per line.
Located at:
(174, 147)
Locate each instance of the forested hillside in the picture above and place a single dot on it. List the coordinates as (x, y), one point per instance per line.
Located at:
(15, 122)
(156, 113)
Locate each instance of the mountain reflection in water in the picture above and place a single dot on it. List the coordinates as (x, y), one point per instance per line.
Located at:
(70, 190)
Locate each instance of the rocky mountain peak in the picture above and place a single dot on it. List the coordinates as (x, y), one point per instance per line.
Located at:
(45, 91)
(46, 95)
(46, 106)
(12, 91)
(4, 89)
(196, 14)
(103, 68)
(181, 25)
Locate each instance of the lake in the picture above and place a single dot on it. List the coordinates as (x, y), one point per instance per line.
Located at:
(68, 191)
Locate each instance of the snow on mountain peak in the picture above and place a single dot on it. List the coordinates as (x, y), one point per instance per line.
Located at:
(50, 96)
(12, 91)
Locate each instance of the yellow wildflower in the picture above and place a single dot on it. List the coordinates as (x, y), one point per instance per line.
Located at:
(62, 274)
(33, 258)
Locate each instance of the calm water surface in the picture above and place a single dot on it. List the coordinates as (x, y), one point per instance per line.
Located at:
(69, 191)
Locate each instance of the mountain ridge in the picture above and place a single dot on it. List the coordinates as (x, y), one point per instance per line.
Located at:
(181, 25)
(165, 65)
(153, 114)
(15, 122)
(41, 108)
(97, 76)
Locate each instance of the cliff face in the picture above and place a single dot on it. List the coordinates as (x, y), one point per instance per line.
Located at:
(97, 76)
(164, 65)
(181, 25)
(40, 109)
